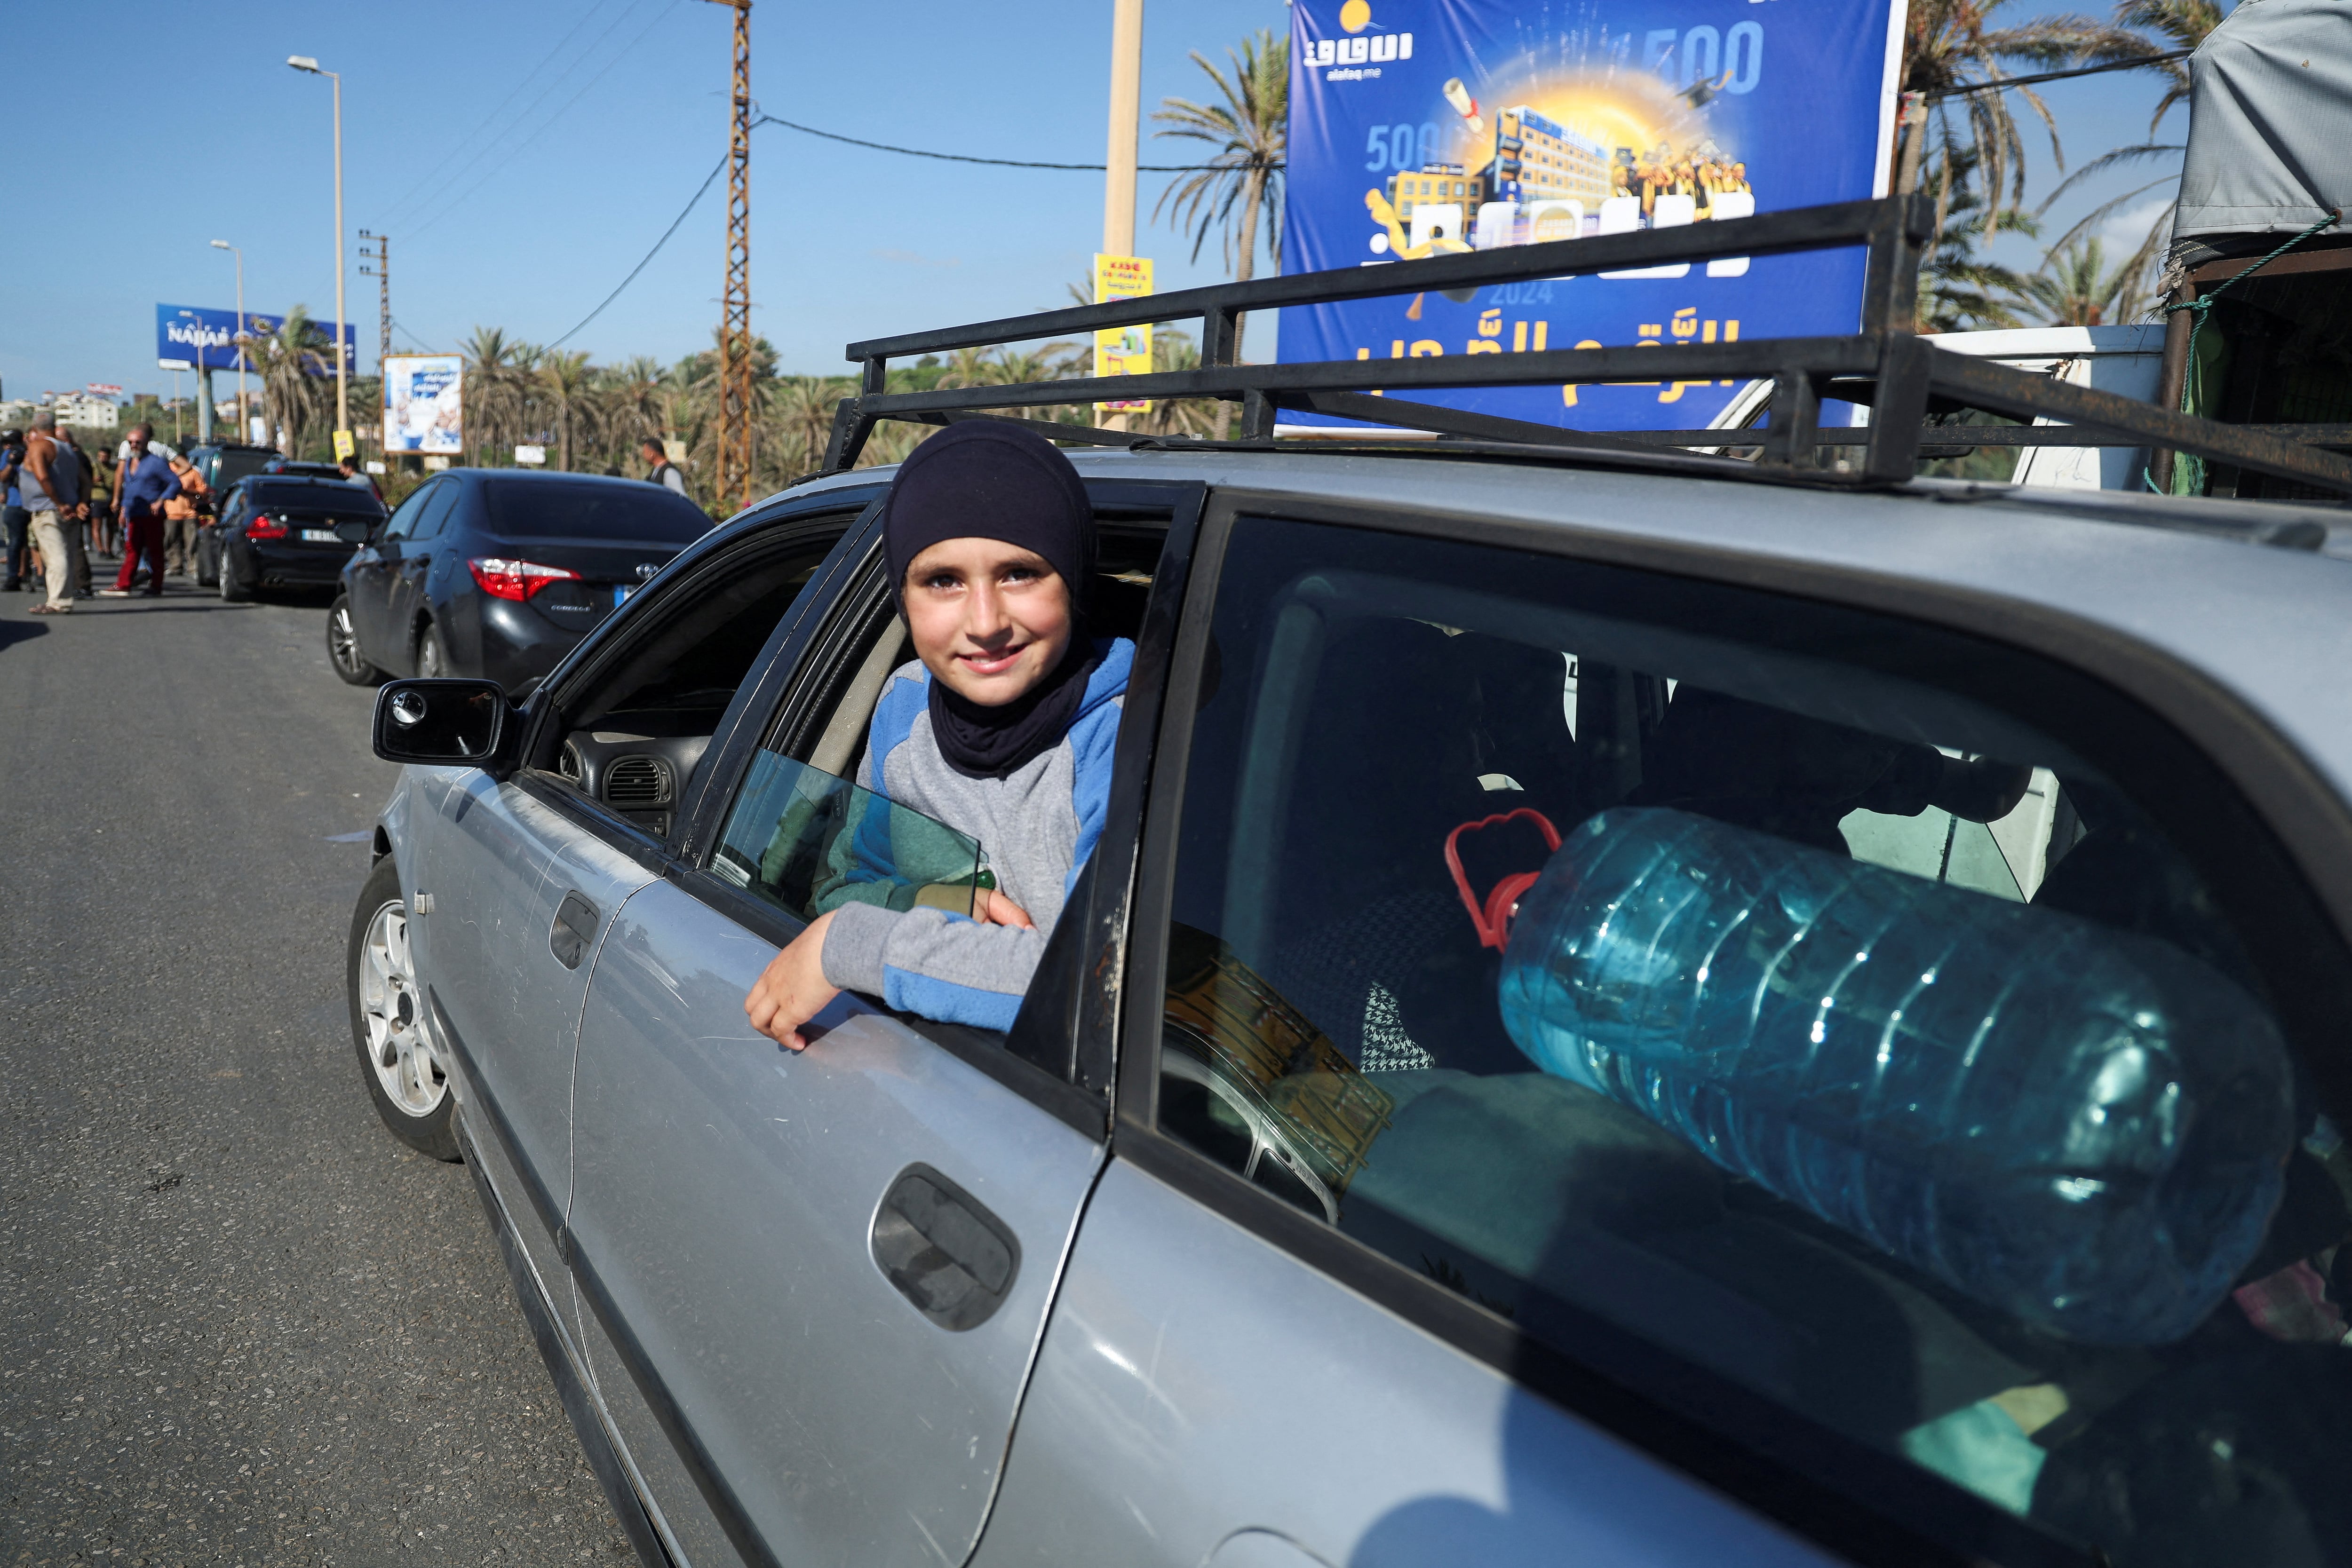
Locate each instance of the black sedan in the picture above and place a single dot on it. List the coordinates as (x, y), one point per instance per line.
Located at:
(273, 531)
(496, 573)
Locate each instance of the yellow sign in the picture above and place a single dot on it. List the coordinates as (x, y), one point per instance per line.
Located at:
(1122, 350)
(344, 445)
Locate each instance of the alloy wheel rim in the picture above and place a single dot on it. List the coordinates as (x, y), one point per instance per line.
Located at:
(340, 640)
(392, 1007)
(428, 657)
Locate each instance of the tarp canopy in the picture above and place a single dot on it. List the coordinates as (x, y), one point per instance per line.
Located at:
(2270, 133)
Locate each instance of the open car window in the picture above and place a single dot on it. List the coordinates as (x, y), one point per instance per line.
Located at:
(809, 841)
(1826, 999)
(632, 735)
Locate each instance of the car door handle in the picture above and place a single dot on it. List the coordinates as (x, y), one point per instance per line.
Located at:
(943, 1251)
(574, 929)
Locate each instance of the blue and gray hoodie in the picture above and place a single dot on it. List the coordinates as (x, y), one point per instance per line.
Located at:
(1035, 827)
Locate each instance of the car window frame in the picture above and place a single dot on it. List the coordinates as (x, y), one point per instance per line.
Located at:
(716, 556)
(424, 496)
(1063, 1004)
(437, 513)
(1804, 1474)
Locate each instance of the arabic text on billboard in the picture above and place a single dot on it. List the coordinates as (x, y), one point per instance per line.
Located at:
(1424, 127)
(422, 404)
(207, 339)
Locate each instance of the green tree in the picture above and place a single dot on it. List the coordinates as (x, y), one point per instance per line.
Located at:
(1960, 289)
(1239, 186)
(290, 366)
(2075, 289)
(494, 395)
(566, 380)
(2176, 25)
(1952, 43)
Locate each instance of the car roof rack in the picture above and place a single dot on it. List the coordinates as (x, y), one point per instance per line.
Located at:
(1887, 364)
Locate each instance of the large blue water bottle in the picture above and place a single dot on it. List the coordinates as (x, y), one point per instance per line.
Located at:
(2083, 1127)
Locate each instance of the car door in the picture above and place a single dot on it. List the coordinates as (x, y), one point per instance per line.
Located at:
(369, 577)
(405, 572)
(517, 880)
(763, 1236)
(1381, 1275)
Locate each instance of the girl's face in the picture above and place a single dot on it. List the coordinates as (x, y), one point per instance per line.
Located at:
(988, 619)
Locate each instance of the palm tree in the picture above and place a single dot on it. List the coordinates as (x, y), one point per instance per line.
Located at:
(1951, 42)
(1960, 289)
(804, 419)
(638, 392)
(494, 374)
(2073, 287)
(1240, 184)
(2182, 25)
(290, 366)
(565, 379)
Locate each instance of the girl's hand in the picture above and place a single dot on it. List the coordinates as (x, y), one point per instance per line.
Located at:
(991, 908)
(792, 990)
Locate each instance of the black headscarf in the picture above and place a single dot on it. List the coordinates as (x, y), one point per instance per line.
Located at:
(979, 480)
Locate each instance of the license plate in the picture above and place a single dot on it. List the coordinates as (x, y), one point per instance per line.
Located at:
(318, 536)
(621, 595)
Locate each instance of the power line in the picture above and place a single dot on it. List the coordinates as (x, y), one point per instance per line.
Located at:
(708, 180)
(997, 162)
(444, 210)
(521, 84)
(701, 192)
(2141, 63)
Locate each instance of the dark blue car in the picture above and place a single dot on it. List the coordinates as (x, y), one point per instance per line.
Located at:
(496, 573)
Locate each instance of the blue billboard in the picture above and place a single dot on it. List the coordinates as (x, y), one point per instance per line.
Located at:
(1424, 127)
(207, 339)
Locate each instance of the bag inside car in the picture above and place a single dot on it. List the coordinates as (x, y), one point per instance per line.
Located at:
(1848, 1008)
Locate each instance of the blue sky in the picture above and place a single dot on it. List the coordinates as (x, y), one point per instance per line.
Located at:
(525, 153)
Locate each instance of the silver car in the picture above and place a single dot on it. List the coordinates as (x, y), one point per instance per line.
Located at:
(1258, 1239)
(1627, 1009)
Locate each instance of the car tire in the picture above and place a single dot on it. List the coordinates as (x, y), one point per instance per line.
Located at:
(351, 665)
(398, 1060)
(208, 563)
(432, 656)
(232, 590)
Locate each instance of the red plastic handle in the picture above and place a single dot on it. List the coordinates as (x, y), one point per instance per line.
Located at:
(1494, 918)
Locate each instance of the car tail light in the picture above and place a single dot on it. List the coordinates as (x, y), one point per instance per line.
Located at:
(516, 580)
(264, 526)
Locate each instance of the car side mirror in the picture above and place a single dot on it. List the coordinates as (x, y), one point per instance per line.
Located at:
(355, 533)
(467, 723)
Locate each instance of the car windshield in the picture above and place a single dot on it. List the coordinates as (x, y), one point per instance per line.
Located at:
(236, 465)
(327, 495)
(541, 510)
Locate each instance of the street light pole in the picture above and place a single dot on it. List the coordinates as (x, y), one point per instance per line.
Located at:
(243, 420)
(342, 376)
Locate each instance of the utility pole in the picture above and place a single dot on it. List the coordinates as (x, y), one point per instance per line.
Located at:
(734, 477)
(1125, 114)
(342, 377)
(1118, 162)
(382, 273)
(243, 420)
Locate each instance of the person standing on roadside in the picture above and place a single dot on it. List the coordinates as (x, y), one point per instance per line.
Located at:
(52, 495)
(349, 468)
(663, 471)
(81, 542)
(15, 521)
(180, 514)
(145, 483)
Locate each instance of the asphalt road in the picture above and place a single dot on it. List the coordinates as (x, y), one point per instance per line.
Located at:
(238, 1323)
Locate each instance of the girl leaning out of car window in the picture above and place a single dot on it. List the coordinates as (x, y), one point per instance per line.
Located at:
(1001, 729)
